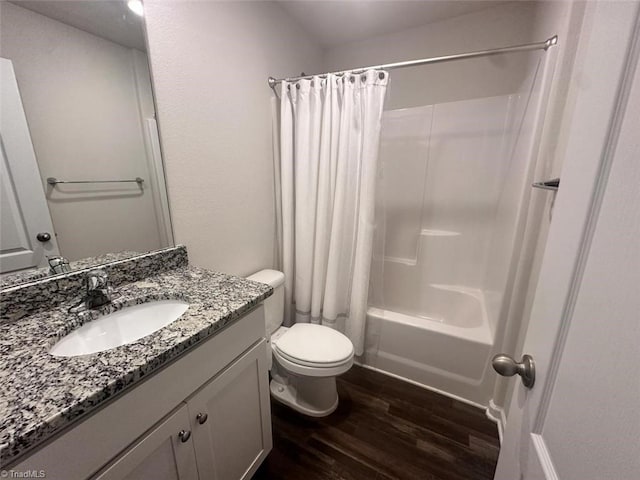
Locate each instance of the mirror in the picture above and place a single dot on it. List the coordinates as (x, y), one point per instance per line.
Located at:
(82, 173)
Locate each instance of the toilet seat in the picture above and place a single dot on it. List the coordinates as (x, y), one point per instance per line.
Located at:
(314, 345)
(313, 350)
(307, 371)
(299, 361)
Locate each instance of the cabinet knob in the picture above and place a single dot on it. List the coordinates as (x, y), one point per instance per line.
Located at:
(184, 435)
(202, 417)
(43, 237)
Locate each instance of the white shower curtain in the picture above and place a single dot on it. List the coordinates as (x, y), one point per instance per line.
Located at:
(328, 142)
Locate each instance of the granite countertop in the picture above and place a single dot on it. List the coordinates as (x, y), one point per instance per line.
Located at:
(23, 276)
(43, 394)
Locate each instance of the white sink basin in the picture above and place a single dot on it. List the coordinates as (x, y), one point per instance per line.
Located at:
(119, 328)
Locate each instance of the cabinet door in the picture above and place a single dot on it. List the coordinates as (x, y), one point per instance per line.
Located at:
(162, 454)
(231, 419)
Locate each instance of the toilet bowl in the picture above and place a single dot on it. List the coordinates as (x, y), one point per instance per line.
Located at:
(304, 359)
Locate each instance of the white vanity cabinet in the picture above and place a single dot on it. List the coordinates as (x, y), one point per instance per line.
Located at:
(205, 416)
(223, 429)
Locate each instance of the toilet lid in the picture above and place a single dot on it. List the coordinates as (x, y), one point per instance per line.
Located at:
(316, 344)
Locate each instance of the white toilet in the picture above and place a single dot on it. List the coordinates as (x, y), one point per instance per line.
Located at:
(304, 359)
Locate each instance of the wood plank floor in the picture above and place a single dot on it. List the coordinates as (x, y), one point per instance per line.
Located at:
(383, 429)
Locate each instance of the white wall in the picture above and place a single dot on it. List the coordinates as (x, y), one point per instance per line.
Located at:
(509, 24)
(210, 64)
(81, 102)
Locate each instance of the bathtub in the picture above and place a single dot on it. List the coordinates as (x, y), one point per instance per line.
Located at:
(447, 349)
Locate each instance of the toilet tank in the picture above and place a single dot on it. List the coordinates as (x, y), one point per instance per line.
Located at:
(274, 305)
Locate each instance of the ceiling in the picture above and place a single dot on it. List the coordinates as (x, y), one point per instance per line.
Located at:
(110, 19)
(332, 23)
(329, 22)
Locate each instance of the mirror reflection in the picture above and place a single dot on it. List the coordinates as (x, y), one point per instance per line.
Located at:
(82, 172)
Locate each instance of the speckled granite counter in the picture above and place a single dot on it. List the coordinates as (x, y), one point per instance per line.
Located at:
(42, 394)
(17, 278)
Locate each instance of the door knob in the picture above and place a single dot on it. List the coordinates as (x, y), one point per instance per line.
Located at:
(508, 367)
(43, 237)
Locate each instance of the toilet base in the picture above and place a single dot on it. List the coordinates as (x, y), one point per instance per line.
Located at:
(315, 397)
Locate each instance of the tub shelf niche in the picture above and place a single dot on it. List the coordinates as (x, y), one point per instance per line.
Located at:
(413, 261)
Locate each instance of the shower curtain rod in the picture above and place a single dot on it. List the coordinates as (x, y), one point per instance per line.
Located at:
(426, 61)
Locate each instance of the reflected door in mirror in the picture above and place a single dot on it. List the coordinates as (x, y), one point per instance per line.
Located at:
(26, 231)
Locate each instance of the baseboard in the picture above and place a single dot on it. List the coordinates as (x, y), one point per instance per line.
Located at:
(496, 413)
(426, 387)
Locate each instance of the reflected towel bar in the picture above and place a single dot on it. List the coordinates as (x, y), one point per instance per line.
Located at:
(54, 181)
(552, 184)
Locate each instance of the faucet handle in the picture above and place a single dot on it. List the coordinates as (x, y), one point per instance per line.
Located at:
(98, 289)
(58, 264)
(97, 279)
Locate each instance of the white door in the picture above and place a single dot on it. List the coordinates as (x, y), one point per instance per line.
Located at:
(231, 419)
(23, 208)
(581, 419)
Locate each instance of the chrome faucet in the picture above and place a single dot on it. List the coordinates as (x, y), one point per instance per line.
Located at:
(98, 289)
